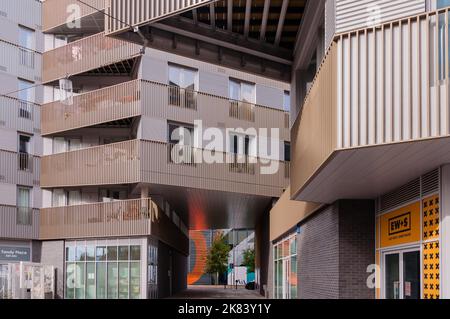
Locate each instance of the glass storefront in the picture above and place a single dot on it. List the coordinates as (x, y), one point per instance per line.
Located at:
(285, 268)
(97, 271)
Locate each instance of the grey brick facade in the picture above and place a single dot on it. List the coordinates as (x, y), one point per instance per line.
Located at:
(335, 246)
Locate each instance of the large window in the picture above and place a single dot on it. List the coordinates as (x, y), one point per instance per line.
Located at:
(27, 42)
(285, 268)
(24, 210)
(26, 96)
(25, 159)
(183, 84)
(103, 272)
(242, 91)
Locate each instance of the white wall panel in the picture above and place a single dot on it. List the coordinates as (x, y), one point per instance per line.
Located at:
(356, 14)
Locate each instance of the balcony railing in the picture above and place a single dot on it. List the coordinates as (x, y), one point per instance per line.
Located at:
(156, 100)
(242, 111)
(105, 105)
(136, 217)
(182, 97)
(59, 12)
(376, 86)
(140, 161)
(85, 55)
(117, 163)
(20, 61)
(19, 223)
(25, 162)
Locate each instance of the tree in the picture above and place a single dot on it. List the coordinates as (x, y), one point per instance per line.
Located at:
(217, 259)
(249, 260)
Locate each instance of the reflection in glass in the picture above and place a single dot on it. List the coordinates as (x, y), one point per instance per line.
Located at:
(135, 280)
(90, 280)
(411, 275)
(392, 276)
(70, 280)
(112, 253)
(80, 280)
(101, 281)
(123, 280)
(123, 252)
(101, 253)
(135, 253)
(112, 280)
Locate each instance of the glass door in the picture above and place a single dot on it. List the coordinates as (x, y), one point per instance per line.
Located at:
(402, 275)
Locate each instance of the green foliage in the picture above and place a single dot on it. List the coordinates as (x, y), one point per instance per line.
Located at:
(249, 260)
(217, 259)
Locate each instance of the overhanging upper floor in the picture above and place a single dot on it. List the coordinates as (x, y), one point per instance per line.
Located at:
(377, 112)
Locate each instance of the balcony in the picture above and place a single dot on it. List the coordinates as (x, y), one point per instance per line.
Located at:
(137, 217)
(117, 163)
(20, 62)
(19, 168)
(87, 54)
(138, 97)
(377, 113)
(19, 115)
(58, 13)
(19, 222)
(140, 161)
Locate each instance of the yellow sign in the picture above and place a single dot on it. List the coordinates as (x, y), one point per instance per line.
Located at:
(401, 226)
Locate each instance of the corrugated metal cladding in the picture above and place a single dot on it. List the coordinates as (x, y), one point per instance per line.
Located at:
(393, 82)
(422, 186)
(357, 14)
(14, 10)
(330, 22)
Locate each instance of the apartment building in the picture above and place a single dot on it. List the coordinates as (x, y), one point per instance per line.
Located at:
(365, 215)
(20, 141)
(123, 127)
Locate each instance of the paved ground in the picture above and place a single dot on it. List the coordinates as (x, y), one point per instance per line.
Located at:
(213, 292)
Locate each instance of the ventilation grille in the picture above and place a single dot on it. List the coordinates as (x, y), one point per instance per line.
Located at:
(430, 183)
(414, 190)
(3, 14)
(404, 194)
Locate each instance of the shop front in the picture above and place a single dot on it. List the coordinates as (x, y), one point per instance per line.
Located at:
(408, 241)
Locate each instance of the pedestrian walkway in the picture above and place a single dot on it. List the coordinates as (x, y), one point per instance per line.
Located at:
(217, 292)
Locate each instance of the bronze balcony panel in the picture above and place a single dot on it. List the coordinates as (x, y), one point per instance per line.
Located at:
(141, 161)
(136, 217)
(183, 98)
(314, 134)
(57, 13)
(96, 107)
(139, 97)
(242, 111)
(85, 55)
(116, 163)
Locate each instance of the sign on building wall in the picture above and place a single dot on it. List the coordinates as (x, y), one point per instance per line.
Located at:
(401, 226)
(14, 254)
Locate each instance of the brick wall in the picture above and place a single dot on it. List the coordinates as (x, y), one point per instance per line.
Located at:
(335, 246)
(318, 252)
(356, 248)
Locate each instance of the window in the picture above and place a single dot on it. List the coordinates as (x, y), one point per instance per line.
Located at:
(27, 38)
(242, 91)
(182, 134)
(183, 84)
(242, 144)
(25, 159)
(115, 272)
(27, 44)
(59, 198)
(287, 101)
(287, 151)
(181, 141)
(285, 266)
(26, 99)
(182, 77)
(443, 3)
(24, 211)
